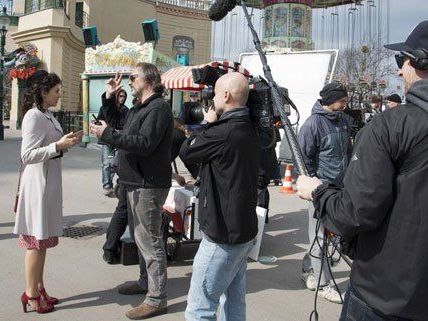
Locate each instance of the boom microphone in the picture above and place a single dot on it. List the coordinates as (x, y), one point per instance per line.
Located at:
(221, 8)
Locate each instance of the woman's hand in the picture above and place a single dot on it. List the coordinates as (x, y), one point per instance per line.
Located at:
(69, 140)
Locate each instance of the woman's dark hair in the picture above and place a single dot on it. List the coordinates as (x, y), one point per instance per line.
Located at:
(40, 82)
(152, 76)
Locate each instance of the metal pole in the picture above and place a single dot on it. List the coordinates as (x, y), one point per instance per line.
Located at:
(2, 43)
(85, 98)
(278, 98)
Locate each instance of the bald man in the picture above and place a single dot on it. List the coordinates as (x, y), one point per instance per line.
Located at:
(228, 153)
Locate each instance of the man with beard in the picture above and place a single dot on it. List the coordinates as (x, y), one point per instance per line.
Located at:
(145, 171)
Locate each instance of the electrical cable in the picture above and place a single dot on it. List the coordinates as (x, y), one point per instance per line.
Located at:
(327, 242)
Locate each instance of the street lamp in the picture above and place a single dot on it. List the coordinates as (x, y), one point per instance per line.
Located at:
(4, 24)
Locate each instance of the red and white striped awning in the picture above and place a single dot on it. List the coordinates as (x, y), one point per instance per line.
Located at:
(181, 77)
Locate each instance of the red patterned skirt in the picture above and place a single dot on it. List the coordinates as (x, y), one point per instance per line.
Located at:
(31, 243)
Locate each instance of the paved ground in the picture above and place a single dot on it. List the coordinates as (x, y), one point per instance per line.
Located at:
(86, 285)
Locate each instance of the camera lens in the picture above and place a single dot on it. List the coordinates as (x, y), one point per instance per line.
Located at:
(193, 113)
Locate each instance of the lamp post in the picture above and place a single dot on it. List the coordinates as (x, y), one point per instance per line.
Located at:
(4, 23)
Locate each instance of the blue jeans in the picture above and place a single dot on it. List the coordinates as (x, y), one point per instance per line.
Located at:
(355, 309)
(218, 278)
(106, 157)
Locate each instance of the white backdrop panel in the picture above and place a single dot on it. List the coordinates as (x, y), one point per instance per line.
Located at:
(303, 74)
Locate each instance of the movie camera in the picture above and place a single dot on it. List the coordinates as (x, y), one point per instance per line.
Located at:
(259, 100)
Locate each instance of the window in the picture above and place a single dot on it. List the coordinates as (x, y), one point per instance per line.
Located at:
(38, 5)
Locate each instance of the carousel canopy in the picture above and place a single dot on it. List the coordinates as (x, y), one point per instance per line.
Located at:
(312, 3)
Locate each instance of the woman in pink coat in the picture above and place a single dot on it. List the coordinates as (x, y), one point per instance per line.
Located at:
(39, 212)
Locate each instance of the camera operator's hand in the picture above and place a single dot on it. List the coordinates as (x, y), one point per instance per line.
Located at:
(98, 130)
(305, 185)
(113, 85)
(210, 116)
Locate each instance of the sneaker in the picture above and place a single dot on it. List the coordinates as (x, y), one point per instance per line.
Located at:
(277, 182)
(110, 258)
(330, 293)
(311, 282)
(107, 190)
(145, 311)
(131, 288)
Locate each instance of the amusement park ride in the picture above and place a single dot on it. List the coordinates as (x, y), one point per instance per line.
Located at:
(356, 27)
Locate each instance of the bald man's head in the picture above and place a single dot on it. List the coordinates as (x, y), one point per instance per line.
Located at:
(231, 91)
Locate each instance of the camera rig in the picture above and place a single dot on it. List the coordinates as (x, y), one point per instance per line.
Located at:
(260, 102)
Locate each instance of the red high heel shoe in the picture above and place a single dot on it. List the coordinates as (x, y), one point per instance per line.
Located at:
(51, 300)
(39, 308)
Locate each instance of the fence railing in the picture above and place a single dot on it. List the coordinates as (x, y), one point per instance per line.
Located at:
(70, 121)
(38, 5)
(191, 4)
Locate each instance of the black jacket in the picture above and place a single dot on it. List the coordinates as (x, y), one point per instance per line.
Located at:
(229, 152)
(384, 203)
(268, 160)
(123, 111)
(144, 143)
(178, 138)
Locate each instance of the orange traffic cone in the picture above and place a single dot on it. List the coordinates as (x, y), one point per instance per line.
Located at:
(287, 186)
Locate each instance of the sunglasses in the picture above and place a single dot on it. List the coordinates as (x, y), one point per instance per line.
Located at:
(134, 76)
(400, 59)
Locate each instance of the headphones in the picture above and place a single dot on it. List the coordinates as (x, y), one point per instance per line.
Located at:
(418, 58)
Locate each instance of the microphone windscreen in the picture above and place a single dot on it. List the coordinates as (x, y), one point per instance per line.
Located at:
(220, 9)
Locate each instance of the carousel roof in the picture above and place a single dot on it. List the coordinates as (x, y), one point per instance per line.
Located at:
(312, 3)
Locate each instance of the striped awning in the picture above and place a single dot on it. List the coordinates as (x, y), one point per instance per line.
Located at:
(181, 77)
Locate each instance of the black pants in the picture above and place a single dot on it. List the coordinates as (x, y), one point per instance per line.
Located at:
(263, 194)
(117, 226)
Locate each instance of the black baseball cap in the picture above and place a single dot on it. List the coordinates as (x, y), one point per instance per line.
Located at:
(418, 39)
(395, 98)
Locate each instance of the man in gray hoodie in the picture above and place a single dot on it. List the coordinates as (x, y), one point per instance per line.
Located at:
(325, 141)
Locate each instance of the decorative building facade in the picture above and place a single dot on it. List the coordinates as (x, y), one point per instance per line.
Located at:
(54, 27)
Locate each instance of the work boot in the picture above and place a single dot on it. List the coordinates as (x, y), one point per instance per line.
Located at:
(131, 288)
(145, 311)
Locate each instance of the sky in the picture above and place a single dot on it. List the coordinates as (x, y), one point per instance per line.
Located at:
(331, 31)
(405, 15)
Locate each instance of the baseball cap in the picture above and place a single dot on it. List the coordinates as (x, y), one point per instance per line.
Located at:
(418, 39)
(395, 98)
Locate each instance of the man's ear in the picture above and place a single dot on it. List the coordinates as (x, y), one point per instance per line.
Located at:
(227, 96)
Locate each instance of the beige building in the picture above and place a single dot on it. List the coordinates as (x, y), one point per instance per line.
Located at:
(55, 28)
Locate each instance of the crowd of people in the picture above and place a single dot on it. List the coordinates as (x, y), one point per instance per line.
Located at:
(371, 194)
